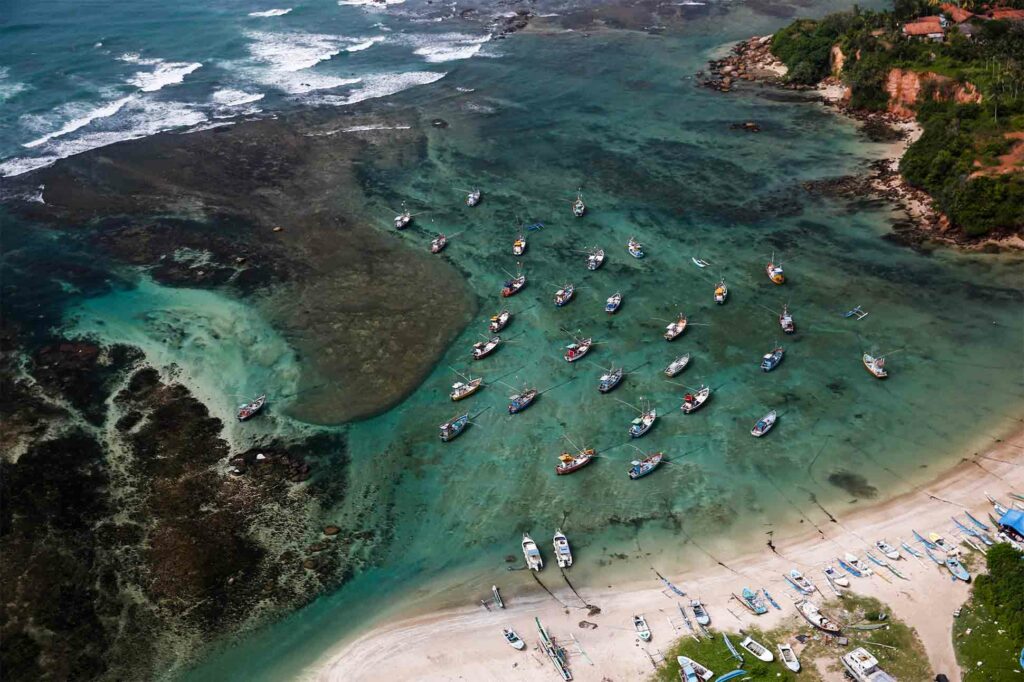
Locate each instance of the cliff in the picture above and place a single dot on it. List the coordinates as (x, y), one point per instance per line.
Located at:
(907, 89)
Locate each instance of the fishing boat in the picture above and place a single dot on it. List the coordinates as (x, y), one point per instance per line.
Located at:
(849, 568)
(473, 198)
(771, 360)
(614, 302)
(497, 597)
(940, 542)
(976, 522)
(513, 639)
(578, 207)
(934, 558)
(788, 657)
(835, 576)
(247, 411)
(453, 427)
(732, 650)
(877, 561)
(675, 329)
(677, 365)
(640, 623)
(576, 350)
(464, 389)
(927, 543)
(610, 379)
(562, 552)
(875, 365)
(402, 220)
(957, 569)
(595, 258)
(786, 320)
(519, 245)
(815, 617)
(763, 425)
(694, 401)
(721, 292)
(520, 401)
(481, 349)
(564, 295)
(973, 533)
(910, 550)
(774, 271)
(753, 602)
(438, 243)
(799, 581)
(567, 463)
(770, 599)
(688, 674)
(731, 675)
(701, 671)
(499, 321)
(642, 424)
(513, 286)
(757, 650)
(635, 248)
(534, 561)
(641, 467)
(887, 549)
(858, 564)
(700, 613)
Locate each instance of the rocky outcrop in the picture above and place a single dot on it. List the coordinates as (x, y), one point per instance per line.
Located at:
(749, 60)
(908, 88)
(836, 61)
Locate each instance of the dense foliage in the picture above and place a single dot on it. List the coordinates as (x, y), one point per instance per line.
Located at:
(988, 634)
(1002, 588)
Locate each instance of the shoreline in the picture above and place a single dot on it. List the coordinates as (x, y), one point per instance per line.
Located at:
(466, 642)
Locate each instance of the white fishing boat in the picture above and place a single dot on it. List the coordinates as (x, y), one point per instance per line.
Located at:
(614, 302)
(699, 262)
(595, 258)
(786, 320)
(499, 321)
(562, 552)
(438, 243)
(464, 389)
(642, 424)
(640, 623)
(700, 613)
(578, 207)
(764, 424)
(694, 401)
(675, 329)
(473, 198)
(799, 581)
(701, 671)
(677, 365)
(858, 564)
(481, 349)
(533, 559)
(815, 617)
(635, 248)
(513, 639)
(402, 220)
(837, 577)
(721, 292)
(250, 409)
(564, 295)
(757, 650)
(788, 657)
(875, 365)
(519, 245)
(887, 549)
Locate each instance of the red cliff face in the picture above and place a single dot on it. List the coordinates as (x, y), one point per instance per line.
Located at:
(907, 88)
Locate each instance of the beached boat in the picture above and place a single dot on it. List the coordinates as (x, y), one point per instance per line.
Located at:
(701, 671)
(764, 425)
(595, 258)
(496, 597)
(250, 409)
(610, 379)
(464, 389)
(513, 286)
(677, 365)
(513, 639)
(641, 467)
(771, 360)
(774, 271)
(815, 617)
(910, 550)
(732, 650)
(534, 561)
(934, 558)
(877, 561)
(771, 600)
(438, 243)
(520, 401)
(519, 245)
(940, 542)
(576, 350)
(924, 541)
(694, 401)
(835, 576)
(688, 674)
(875, 365)
(481, 349)
(976, 522)
(402, 220)
(567, 463)
(863, 667)
(753, 602)
(562, 552)
(849, 568)
(788, 657)
(642, 424)
(887, 549)
(473, 198)
(757, 650)
(957, 569)
(675, 329)
(786, 320)
(565, 294)
(499, 321)
(640, 623)
(799, 581)
(614, 302)
(700, 613)
(578, 207)
(858, 564)
(973, 533)
(453, 427)
(721, 292)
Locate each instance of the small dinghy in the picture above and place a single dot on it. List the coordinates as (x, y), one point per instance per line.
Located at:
(694, 401)
(774, 271)
(799, 581)
(402, 220)
(675, 329)
(576, 350)
(757, 650)
(642, 424)
(533, 559)
(753, 602)
(721, 292)
(677, 365)
(771, 360)
(815, 617)
(499, 321)
(857, 564)
(641, 467)
(481, 349)
(519, 245)
(788, 657)
(595, 258)
(473, 198)
(635, 248)
(957, 569)
(464, 389)
(700, 613)
(569, 463)
(562, 552)
(786, 320)
(453, 427)
(578, 207)
(835, 576)
(887, 549)
(764, 425)
(564, 295)
(610, 379)
(513, 639)
(640, 623)
(614, 302)
(247, 411)
(875, 365)
(513, 286)
(701, 671)
(520, 401)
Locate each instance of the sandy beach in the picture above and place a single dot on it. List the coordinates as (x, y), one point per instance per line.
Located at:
(466, 643)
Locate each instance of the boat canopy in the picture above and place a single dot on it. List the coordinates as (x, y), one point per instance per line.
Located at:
(1014, 518)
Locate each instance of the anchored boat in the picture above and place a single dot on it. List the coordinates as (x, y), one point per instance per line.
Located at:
(499, 321)
(578, 207)
(614, 302)
(464, 389)
(694, 401)
(595, 258)
(520, 401)
(519, 245)
(643, 423)
(771, 360)
(569, 463)
(642, 467)
(675, 329)
(786, 320)
(481, 349)
(533, 559)
(402, 220)
(576, 350)
(721, 292)
(763, 425)
(438, 243)
(473, 198)
(513, 286)
(250, 409)
(453, 427)
(774, 271)
(564, 295)
(875, 365)
(562, 552)
(636, 250)
(610, 379)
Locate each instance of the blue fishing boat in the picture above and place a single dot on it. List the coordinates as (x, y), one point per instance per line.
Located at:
(453, 427)
(771, 360)
(688, 674)
(933, 557)
(970, 531)
(732, 650)
(642, 467)
(642, 424)
(770, 600)
(564, 295)
(799, 582)
(610, 379)
(976, 522)
(611, 306)
(957, 569)
(753, 602)
(636, 250)
(520, 401)
(849, 569)
(910, 550)
(927, 543)
(731, 676)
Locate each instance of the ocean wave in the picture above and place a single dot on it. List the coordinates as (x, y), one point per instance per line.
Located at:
(370, 3)
(381, 85)
(17, 166)
(162, 75)
(447, 47)
(271, 13)
(294, 51)
(235, 98)
(74, 124)
(9, 89)
(365, 45)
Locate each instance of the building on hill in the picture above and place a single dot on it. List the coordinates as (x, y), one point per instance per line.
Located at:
(929, 28)
(1005, 14)
(957, 15)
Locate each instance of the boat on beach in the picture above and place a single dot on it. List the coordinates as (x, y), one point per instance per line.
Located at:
(910, 550)
(771, 360)
(774, 271)
(764, 425)
(721, 292)
(642, 424)
(520, 401)
(513, 286)
(934, 558)
(677, 365)
(438, 243)
(519, 245)
(957, 569)
(815, 617)
(976, 522)
(641, 467)
(564, 295)
(694, 401)
(700, 613)
(849, 568)
(464, 389)
(786, 320)
(610, 379)
(567, 463)
(799, 582)
(635, 248)
(875, 365)
(453, 427)
(247, 411)
(534, 561)
(614, 302)
(640, 623)
(924, 541)
(513, 639)
(499, 321)
(940, 542)
(857, 564)
(753, 602)
(578, 207)
(757, 650)
(675, 329)
(835, 576)
(788, 657)
(701, 671)
(481, 349)
(887, 549)
(497, 597)
(562, 552)
(973, 533)
(473, 198)
(577, 349)
(595, 258)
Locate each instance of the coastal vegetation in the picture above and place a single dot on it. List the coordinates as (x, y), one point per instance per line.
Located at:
(968, 98)
(988, 634)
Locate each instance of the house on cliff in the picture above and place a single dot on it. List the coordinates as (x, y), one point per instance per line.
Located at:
(927, 28)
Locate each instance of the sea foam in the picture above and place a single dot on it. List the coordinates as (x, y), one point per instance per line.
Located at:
(271, 13)
(74, 124)
(446, 47)
(235, 98)
(162, 75)
(365, 44)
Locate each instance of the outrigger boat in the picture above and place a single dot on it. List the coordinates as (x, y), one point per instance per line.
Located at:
(675, 329)
(534, 561)
(464, 389)
(642, 424)
(636, 250)
(610, 379)
(576, 350)
(453, 427)
(694, 401)
(973, 533)
(927, 543)
(799, 582)
(595, 258)
(569, 463)
(850, 568)
(642, 467)
(976, 522)
(499, 321)
(910, 550)
(473, 198)
(788, 657)
(815, 617)
(614, 302)
(677, 365)
(699, 262)
(640, 623)
(774, 271)
(578, 207)
(957, 569)
(940, 542)
(786, 320)
(519, 245)
(438, 243)
(835, 576)
(757, 650)
(763, 425)
(564, 295)
(858, 565)
(721, 292)
(247, 411)
(513, 639)
(481, 349)
(753, 602)
(887, 549)
(562, 552)
(934, 558)
(875, 365)
(520, 401)
(701, 672)
(700, 613)
(513, 286)
(771, 360)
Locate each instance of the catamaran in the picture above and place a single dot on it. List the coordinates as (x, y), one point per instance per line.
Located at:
(564, 295)
(464, 389)
(473, 198)
(786, 320)
(519, 245)
(774, 271)
(614, 302)
(438, 243)
(635, 248)
(675, 329)
(499, 321)
(577, 349)
(610, 379)
(771, 360)
(250, 409)
(578, 207)
(642, 424)
(640, 623)
(875, 365)
(595, 258)
(562, 552)
(481, 349)
(520, 401)
(764, 425)
(453, 427)
(534, 561)
(721, 292)
(694, 401)
(641, 467)
(569, 463)
(677, 365)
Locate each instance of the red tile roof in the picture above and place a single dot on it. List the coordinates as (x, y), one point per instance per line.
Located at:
(957, 14)
(923, 26)
(1008, 14)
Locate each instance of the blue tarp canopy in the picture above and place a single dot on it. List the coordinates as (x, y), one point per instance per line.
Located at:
(1014, 519)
